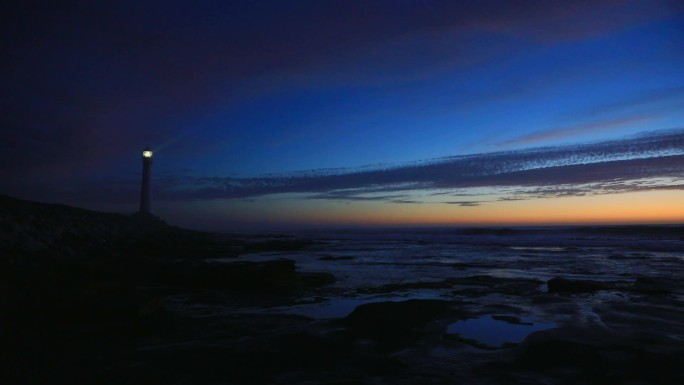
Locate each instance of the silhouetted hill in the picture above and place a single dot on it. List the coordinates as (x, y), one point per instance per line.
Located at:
(80, 290)
(41, 229)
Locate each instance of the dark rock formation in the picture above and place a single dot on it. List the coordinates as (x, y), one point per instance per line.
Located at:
(276, 245)
(572, 362)
(315, 279)
(393, 324)
(563, 285)
(332, 258)
(473, 285)
(654, 286)
(246, 275)
(59, 231)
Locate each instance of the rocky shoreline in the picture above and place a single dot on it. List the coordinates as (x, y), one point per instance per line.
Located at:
(105, 298)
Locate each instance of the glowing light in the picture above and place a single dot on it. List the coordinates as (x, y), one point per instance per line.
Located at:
(147, 154)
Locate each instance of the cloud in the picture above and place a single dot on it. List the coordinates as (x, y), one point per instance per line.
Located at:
(670, 97)
(406, 201)
(577, 130)
(648, 161)
(356, 195)
(606, 167)
(464, 203)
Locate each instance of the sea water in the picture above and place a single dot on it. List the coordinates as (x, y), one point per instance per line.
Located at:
(363, 261)
(490, 331)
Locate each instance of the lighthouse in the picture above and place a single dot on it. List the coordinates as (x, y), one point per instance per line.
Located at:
(145, 190)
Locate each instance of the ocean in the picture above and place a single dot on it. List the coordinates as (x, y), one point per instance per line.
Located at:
(375, 265)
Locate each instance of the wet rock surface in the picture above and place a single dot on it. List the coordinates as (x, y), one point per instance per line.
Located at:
(562, 285)
(393, 324)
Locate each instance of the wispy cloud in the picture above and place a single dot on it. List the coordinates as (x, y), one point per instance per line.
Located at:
(671, 97)
(464, 203)
(406, 201)
(577, 130)
(649, 161)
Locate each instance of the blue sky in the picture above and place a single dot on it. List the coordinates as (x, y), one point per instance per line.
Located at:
(235, 92)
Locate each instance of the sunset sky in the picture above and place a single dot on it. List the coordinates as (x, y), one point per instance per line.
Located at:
(290, 114)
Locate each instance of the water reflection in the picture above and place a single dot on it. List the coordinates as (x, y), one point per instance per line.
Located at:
(497, 331)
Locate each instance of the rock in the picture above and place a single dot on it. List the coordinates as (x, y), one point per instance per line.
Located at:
(563, 285)
(246, 275)
(310, 351)
(277, 245)
(558, 353)
(29, 244)
(393, 324)
(574, 362)
(474, 285)
(57, 230)
(653, 286)
(332, 258)
(316, 279)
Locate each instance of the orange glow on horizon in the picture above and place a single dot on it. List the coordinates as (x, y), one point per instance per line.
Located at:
(643, 207)
(650, 207)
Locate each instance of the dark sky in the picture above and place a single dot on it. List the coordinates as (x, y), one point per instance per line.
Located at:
(272, 113)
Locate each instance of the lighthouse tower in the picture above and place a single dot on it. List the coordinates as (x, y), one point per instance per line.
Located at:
(145, 190)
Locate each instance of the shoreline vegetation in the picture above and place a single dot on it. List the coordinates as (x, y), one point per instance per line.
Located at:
(91, 297)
